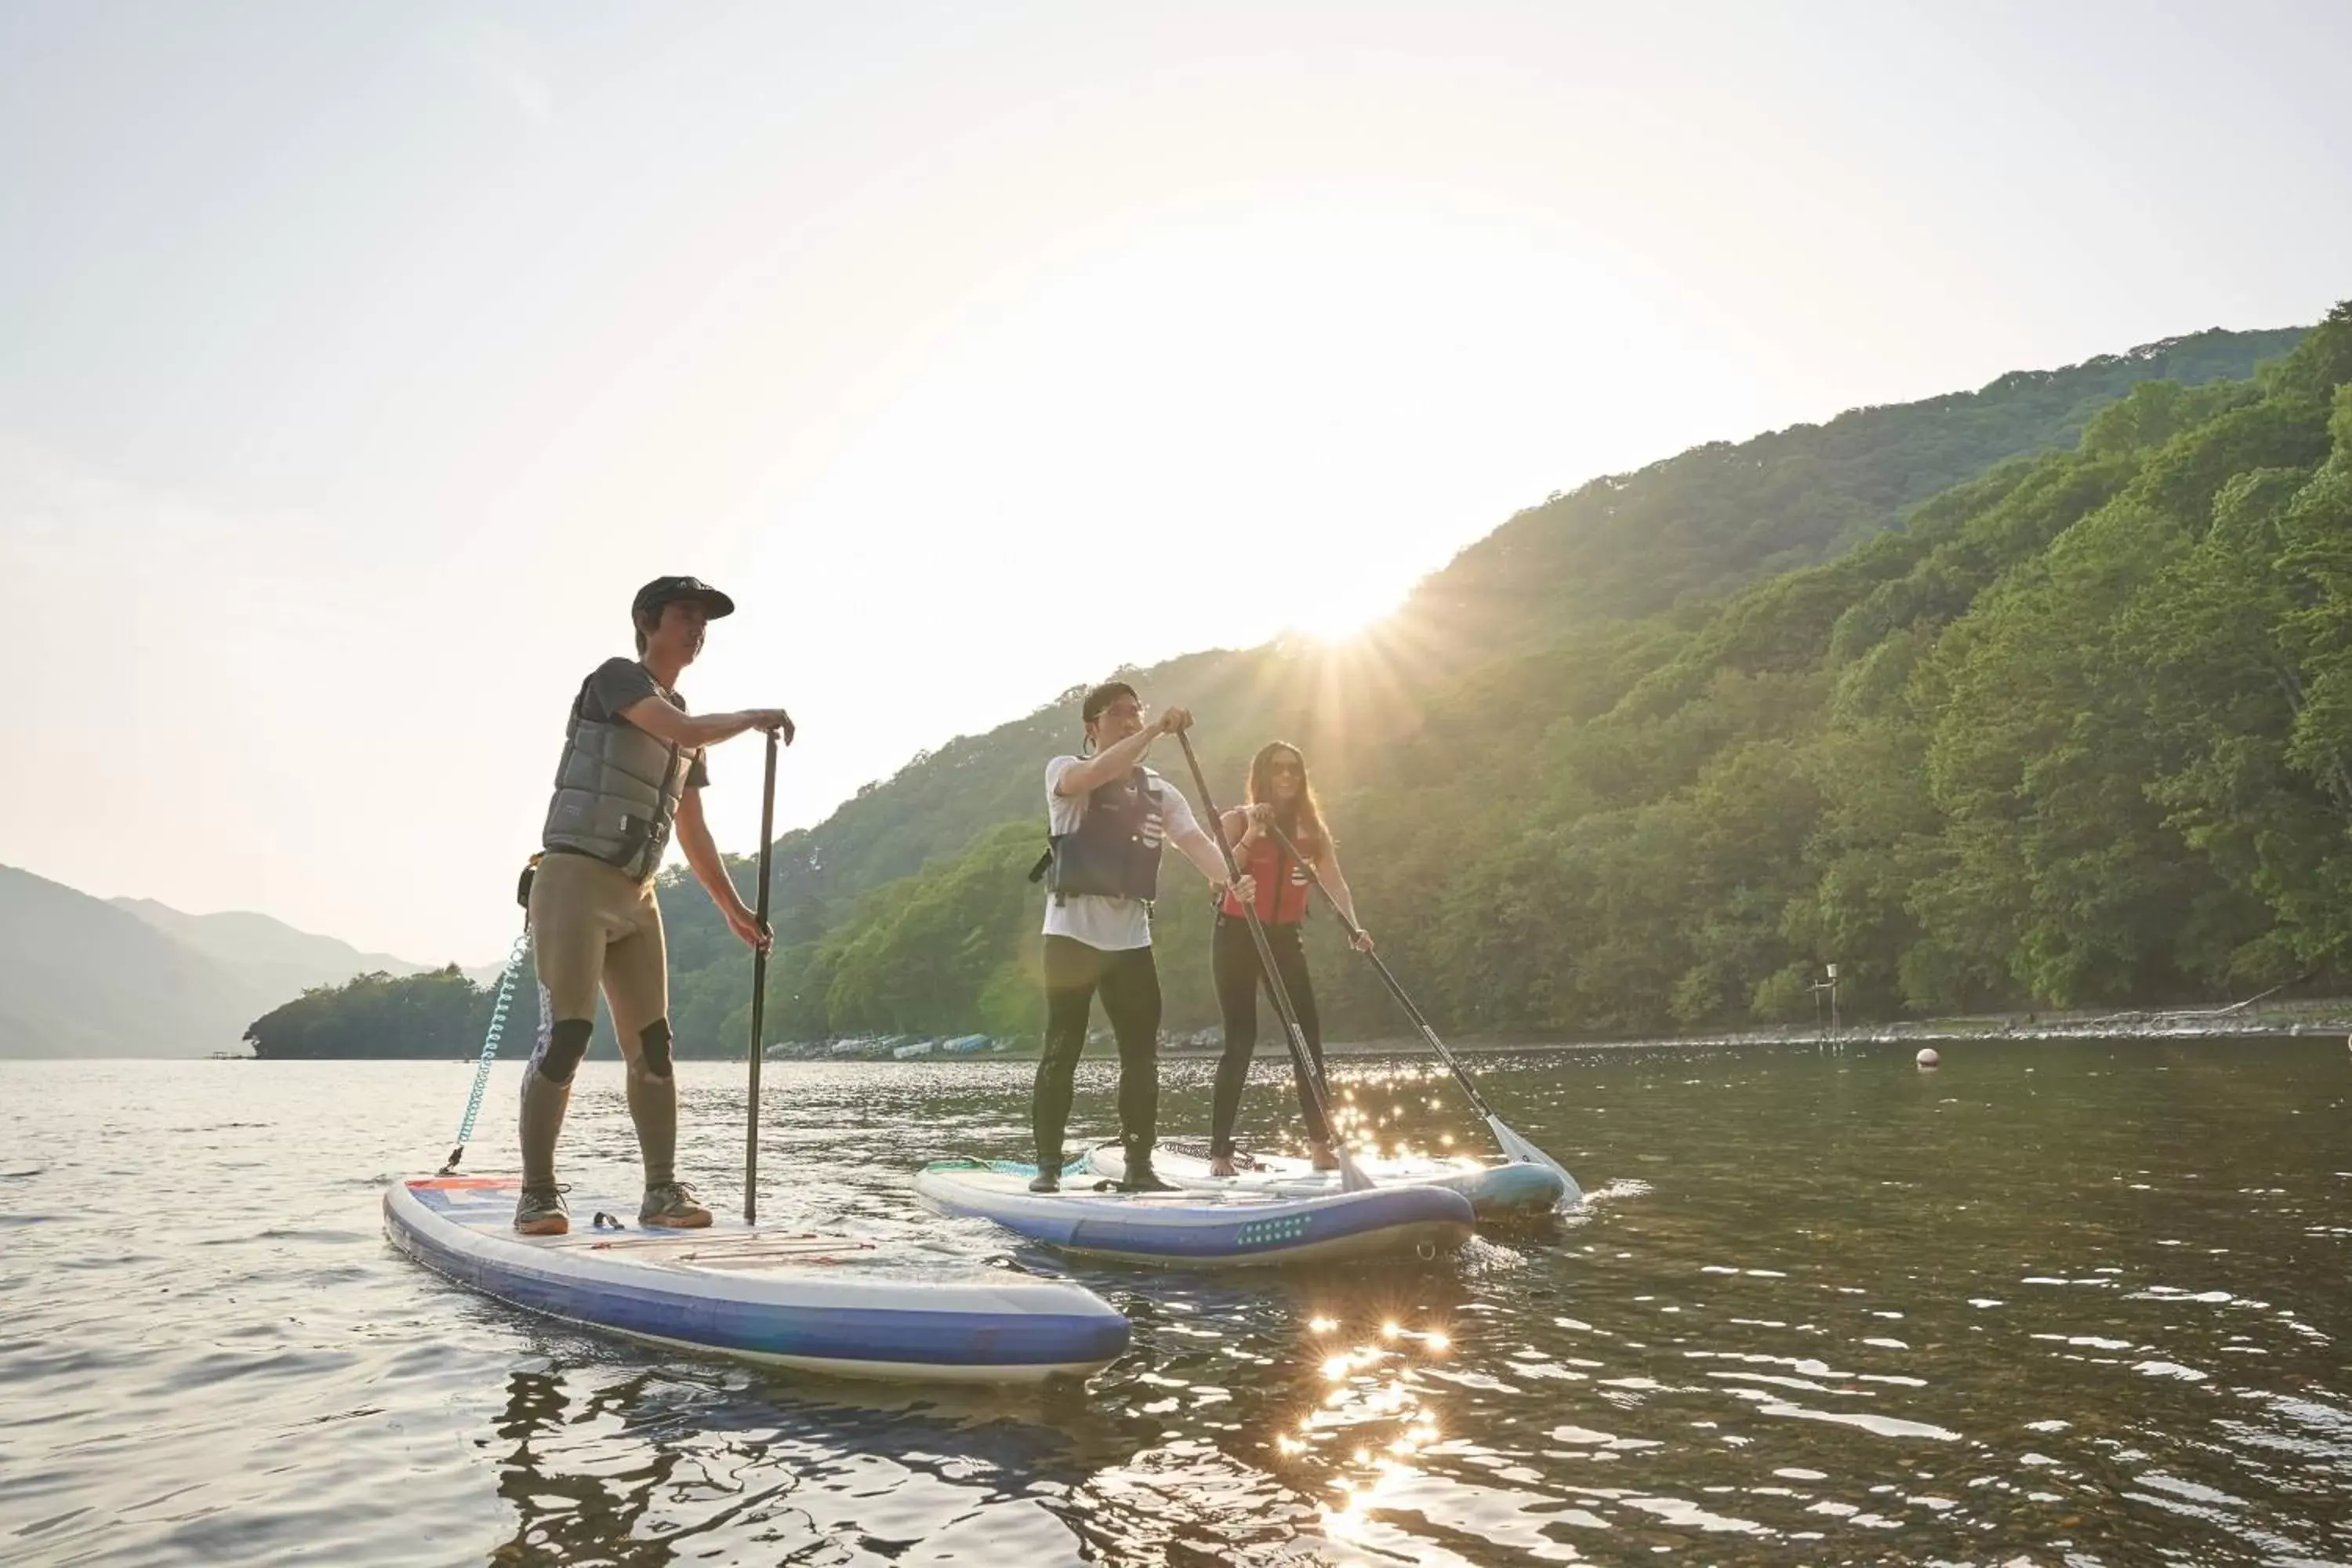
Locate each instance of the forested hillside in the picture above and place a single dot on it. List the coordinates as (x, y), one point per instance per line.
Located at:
(2012, 696)
(2077, 735)
(439, 1013)
(1720, 516)
(1620, 547)
(1620, 822)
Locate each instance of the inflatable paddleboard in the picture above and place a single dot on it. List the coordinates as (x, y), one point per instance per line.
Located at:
(1196, 1229)
(1495, 1192)
(816, 1304)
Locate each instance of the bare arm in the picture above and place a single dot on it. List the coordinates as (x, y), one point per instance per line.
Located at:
(1111, 762)
(1201, 850)
(664, 721)
(1326, 867)
(702, 855)
(1187, 834)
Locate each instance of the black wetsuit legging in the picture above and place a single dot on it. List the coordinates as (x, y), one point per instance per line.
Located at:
(1234, 955)
(1129, 984)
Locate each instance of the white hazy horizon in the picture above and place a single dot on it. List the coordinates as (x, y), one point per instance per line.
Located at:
(360, 363)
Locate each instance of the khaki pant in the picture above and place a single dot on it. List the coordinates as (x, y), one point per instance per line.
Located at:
(590, 923)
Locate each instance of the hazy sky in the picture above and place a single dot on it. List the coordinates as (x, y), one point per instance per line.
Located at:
(357, 363)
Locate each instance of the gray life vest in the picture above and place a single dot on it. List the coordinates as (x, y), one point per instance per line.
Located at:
(617, 793)
(1115, 850)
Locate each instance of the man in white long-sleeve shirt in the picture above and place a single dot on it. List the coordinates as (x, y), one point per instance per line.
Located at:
(1108, 816)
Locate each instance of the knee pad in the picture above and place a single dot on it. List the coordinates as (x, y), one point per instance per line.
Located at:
(653, 1042)
(567, 1042)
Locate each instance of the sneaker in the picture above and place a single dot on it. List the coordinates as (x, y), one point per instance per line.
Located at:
(540, 1211)
(1047, 1180)
(672, 1206)
(1324, 1158)
(1222, 1165)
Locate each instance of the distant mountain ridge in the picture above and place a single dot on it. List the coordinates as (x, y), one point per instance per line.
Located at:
(80, 977)
(85, 976)
(276, 959)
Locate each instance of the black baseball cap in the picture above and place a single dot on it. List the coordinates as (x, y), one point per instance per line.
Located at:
(663, 590)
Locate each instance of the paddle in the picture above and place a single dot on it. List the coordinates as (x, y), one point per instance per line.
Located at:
(759, 992)
(1351, 1179)
(1514, 1145)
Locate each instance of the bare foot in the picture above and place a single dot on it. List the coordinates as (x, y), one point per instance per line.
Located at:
(1324, 1160)
(1221, 1165)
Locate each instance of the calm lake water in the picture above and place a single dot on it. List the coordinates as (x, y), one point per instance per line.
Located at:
(2053, 1304)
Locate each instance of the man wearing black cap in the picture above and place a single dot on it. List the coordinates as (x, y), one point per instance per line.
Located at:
(633, 769)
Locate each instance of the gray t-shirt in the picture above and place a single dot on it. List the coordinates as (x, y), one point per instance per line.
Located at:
(621, 683)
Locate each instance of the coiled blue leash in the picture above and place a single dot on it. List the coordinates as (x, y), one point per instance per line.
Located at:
(490, 1049)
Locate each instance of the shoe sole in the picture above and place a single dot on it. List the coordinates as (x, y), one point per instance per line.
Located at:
(674, 1222)
(556, 1226)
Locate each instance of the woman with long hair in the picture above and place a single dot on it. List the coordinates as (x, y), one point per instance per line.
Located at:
(1280, 796)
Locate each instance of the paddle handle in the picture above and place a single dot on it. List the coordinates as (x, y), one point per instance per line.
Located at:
(758, 991)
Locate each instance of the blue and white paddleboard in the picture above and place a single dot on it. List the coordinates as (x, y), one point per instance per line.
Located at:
(1200, 1229)
(817, 1303)
(1516, 1187)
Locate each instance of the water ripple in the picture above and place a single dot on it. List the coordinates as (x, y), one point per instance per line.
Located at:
(1816, 1309)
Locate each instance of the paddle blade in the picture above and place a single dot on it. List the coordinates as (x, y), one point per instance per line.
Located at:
(1520, 1149)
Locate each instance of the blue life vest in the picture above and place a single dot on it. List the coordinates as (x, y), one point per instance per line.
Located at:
(1115, 850)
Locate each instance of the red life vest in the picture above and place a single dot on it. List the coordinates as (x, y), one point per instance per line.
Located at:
(1283, 885)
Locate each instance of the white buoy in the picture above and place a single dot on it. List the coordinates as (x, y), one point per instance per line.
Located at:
(1927, 1057)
